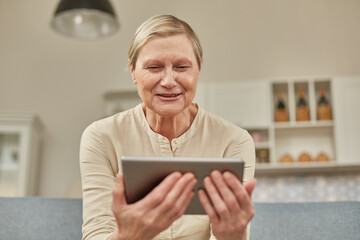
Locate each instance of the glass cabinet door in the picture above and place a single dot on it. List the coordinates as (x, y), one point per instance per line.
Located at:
(9, 164)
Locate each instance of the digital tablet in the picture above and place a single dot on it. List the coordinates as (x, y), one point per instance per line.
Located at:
(142, 174)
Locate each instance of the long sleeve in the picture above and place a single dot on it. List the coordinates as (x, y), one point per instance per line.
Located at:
(97, 176)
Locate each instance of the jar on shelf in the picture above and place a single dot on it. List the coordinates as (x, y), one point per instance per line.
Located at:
(262, 156)
(322, 157)
(286, 158)
(304, 157)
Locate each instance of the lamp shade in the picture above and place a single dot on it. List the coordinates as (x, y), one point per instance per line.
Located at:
(85, 19)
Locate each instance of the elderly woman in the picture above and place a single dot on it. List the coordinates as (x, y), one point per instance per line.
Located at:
(165, 59)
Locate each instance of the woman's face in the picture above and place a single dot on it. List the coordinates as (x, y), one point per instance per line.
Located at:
(166, 74)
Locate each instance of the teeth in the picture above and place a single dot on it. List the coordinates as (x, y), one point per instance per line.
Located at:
(168, 95)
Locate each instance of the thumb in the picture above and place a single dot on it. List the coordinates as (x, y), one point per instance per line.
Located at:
(250, 185)
(119, 199)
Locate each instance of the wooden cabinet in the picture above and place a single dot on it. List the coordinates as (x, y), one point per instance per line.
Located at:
(20, 137)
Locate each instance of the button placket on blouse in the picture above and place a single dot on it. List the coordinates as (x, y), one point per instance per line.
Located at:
(164, 145)
(174, 144)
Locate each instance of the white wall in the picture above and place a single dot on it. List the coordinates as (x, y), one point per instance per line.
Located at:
(63, 80)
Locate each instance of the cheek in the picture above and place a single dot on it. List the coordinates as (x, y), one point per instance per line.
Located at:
(190, 85)
(190, 82)
(146, 81)
(143, 90)
(145, 85)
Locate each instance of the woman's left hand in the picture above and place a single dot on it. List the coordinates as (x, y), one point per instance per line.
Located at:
(228, 204)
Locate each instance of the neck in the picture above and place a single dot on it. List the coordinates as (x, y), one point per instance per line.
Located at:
(171, 126)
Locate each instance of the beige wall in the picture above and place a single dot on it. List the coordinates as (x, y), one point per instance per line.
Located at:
(63, 80)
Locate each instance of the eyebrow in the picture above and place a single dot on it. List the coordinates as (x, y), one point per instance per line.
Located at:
(178, 60)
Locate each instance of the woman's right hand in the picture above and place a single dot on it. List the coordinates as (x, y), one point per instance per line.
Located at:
(156, 211)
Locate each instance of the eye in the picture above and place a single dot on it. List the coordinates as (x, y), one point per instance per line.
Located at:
(154, 68)
(182, 68)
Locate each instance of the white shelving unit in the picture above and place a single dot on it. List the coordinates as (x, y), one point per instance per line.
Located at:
(295, 137)
(20, 136)
(251, 105)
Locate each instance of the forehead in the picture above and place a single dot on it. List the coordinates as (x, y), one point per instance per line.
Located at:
(170, 46)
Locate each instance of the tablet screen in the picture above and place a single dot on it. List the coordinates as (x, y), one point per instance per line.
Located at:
(142, 174)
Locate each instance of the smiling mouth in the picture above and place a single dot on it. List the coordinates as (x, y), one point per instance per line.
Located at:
(168, 95)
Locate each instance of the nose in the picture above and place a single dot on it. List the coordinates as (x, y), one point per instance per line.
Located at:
(168, 78)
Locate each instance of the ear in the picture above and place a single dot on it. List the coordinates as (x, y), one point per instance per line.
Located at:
(133, 75)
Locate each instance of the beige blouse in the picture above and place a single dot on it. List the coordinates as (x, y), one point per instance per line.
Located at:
(128, 134)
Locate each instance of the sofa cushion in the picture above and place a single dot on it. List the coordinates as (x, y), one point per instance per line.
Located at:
(315, 221)
(61, 219)
(40, 218)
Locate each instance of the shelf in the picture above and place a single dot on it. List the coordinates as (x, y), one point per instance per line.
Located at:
(262, 145)
(269, 169)
(310, 124)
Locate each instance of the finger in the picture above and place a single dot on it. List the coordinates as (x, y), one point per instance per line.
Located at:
(238, 189)
(177, 197)
(119, 199)
(119, 190)
(210, 211)
(157, 195)
(227, 195)
(182, 197)
(175, 202)
(250, 186)
(217, 202)
(184, 200)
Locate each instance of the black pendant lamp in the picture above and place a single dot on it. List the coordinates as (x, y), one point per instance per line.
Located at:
(85, 19)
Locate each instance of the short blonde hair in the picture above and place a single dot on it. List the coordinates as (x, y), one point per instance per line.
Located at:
(162, 26)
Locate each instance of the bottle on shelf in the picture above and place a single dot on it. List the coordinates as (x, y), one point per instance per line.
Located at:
(323, 108)
(281, 113)
(302, 108)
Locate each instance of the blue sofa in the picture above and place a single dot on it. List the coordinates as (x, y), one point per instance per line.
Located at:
(306, 221)
(60, 219)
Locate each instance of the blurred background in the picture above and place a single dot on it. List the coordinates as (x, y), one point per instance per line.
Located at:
(53, 87)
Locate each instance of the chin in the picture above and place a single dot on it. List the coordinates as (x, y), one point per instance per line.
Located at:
(169, 111)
